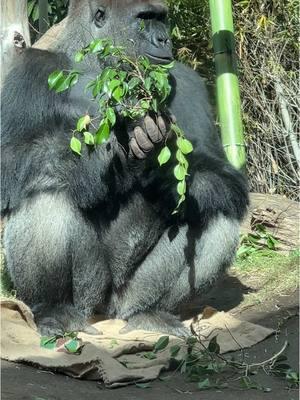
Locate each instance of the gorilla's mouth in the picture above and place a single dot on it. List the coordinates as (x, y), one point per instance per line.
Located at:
(159, 60)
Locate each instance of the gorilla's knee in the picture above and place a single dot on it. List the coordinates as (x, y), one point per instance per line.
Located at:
(206, 259)
(37, 245)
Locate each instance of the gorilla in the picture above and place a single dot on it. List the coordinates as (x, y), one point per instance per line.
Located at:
(96, 233)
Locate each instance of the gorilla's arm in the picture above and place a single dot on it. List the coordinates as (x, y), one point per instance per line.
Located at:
(36, 128)
(213, 185)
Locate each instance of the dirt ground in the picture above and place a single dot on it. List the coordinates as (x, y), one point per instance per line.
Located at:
(20, 382)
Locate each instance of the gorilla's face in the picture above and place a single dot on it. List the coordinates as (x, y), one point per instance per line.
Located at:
(140, 26)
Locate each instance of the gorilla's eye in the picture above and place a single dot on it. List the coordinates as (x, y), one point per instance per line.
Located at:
(148, 15)
(100, 16)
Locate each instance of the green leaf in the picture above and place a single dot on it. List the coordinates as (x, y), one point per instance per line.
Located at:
(182, 159)
(54, 78)
(204, 385)
(30, 6)
(144, 61)
(111, 116)
(35, 13)
(184, 145)
(148, 82)
(174, 350)
(113, 343)
(164, 155)
(133, 83)
(118, 93)
(108, 73)
(72, 346)
(75, 145)
(89, 138)
(179, 172)
(161, 344)
(213, 346)
(246, 383)
(181, 200)
(66, 82)
(103, 132)
(280, 359)
(96, 46)
(122, 75)
(181, 187)
(83, 122)
(71, 334)
(175, 128)
(73, 78)
(154, 105)
(79, 56)
(48, 342)
(150, 355)
(191, 341)
(114, 84)
(143, 385)
(145, 104)
(142, 25)
(159, 78)
(168, 66)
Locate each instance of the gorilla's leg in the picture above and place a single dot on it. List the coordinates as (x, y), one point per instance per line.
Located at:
(183, 263)
(47, 248)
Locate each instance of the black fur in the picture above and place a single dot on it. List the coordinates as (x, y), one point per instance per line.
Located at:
(95, 232)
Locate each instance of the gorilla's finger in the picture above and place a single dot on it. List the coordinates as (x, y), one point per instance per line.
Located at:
(135, 150)
(152, 130)
(142, 139)
(162, 126)
(91, 330)
(173, 118)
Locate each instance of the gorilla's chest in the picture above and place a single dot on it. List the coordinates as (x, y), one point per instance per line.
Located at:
(133, 232)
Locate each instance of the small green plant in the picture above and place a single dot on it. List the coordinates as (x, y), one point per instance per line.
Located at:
(67, 343)
(204, 365)
(260, 239)
(128, 87)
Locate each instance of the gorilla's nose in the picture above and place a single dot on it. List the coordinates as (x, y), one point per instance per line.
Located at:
(160, 39)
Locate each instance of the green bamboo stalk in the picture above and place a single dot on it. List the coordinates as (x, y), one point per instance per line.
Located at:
(228, 93)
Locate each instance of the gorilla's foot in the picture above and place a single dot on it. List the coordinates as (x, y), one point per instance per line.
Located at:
(158, 321)
(59, 319)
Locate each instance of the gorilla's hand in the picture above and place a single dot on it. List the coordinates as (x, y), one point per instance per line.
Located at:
(147, 133)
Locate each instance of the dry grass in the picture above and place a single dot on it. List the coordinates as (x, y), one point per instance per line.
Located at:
(267, 45)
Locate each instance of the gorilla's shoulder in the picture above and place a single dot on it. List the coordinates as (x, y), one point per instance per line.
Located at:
(184, 73)
(32, 63)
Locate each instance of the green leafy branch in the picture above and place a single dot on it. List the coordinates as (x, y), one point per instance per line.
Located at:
(204, 365)
(255, 241)
(128, 87)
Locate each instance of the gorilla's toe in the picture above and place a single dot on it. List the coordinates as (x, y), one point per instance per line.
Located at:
(50, 327)
(90, 330)
(59, 319)
(161, 322)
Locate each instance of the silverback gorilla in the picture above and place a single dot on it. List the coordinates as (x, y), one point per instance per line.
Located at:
(96, 233)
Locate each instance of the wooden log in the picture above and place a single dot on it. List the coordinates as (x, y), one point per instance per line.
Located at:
(50, 37)
(280, 217)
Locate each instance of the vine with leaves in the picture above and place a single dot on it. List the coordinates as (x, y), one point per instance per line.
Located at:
(133, 88)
